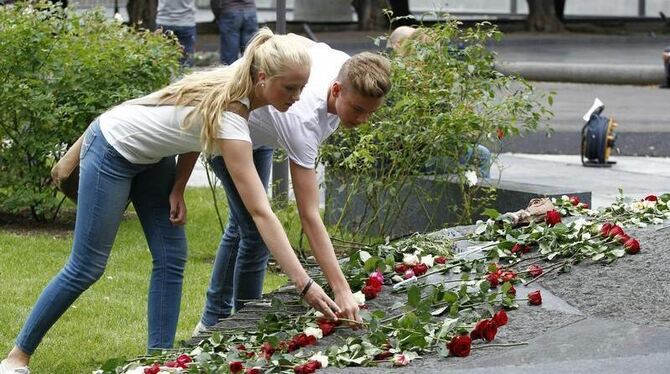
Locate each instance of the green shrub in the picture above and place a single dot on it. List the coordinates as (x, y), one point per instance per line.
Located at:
(59, 70)
(446, 99)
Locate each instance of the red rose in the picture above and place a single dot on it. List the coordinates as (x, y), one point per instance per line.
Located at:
(313, 365)
(440, 260)
(370, 292)
(241, 347)
(500, 318)
(508, 276)
(585, 205)
(376, 278)
(253, 371)
(400, 268)
(622, 238)
(153, 369)
(632, 246)
(383, 356)
(485, 329)
(183, 361)
(250, 354)
(614, 231)
(535, 298)
(552, 218)
(493, 279)
(171, 364)
(605, 229)
(459, 346)
(299, 369)
(651, 198)
(517, 248)
(420, 269)
(535, 270)
(511, 291)
(574, 200)
(408, 274)
(267, 350)
(236, 367)
(326, 327)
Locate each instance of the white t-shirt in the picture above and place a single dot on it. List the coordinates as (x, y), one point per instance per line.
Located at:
(145, 134)
(307, 123)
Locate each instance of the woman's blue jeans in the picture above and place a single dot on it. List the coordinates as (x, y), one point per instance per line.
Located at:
(106, 182)
(236, 28)
(242, 257)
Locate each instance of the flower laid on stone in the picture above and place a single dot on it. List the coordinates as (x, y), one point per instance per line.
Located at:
(535, 270)
(535, 298)
(309, 367)
(373, 285)
(460, 346)
(500, 318)
(485, 329)
(552, 218)
(632, 246)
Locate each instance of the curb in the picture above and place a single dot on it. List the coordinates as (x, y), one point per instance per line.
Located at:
(584, 73)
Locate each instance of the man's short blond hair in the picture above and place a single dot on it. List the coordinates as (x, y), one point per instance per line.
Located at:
(367, 73)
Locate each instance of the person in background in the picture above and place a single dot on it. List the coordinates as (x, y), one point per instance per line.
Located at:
(237, 22)
(399, 42)
(178, 17)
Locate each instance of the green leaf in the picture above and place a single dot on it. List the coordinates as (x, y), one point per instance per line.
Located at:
(491, 213)
(414, 296)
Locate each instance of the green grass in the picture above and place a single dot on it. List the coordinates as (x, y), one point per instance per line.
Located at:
(108, 320)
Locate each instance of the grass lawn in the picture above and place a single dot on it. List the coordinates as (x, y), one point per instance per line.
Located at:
(108, 320)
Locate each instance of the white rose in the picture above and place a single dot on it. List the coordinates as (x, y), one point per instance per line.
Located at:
(321, 358)
(428, 260)
(471, 177)
(359, 297)
(313, 331)
(410, 259)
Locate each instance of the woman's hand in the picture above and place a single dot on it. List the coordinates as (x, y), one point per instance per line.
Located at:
(177, 208)
(348, 307)
(317, 298)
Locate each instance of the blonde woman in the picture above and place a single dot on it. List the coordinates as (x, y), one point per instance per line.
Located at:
(128, 153)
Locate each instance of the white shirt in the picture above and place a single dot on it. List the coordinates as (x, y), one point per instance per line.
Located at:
(145, 134)
(307, 123)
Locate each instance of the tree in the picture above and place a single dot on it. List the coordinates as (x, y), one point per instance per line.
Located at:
(546, 15)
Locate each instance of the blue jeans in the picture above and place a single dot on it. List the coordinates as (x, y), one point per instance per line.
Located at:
(186, 36)
(107, 181)
(242, 257)
(236, 27)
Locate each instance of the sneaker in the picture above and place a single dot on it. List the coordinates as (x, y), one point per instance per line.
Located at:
(20, 370)
(200, 329)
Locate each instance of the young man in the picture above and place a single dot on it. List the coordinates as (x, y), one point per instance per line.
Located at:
(341, 90)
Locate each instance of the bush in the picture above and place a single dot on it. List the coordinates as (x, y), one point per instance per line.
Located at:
(59, 71)
(446, 99)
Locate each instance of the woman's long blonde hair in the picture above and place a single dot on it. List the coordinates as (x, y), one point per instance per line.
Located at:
(211, 92)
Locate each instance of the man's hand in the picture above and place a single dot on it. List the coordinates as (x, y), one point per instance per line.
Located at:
(348, 308)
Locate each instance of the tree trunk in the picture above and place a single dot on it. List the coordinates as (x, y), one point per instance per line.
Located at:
(542, 16)
(371, 14)
(142, 13)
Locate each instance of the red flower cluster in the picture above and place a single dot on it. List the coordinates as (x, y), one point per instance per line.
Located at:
(460, 345)
(418, 269)
(534, 298)
(488, 328)
(535, 270)
(650, 198)
(630, 244)
(307, 368)
(373, 285)
(298, 341)
(519, 249)
(181, 362)
(498, 276)
(574, 200)
(552, 218)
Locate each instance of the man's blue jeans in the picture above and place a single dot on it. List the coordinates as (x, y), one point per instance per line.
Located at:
(186, 36)
(236, 28)
(106, 182)
(241, 260)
